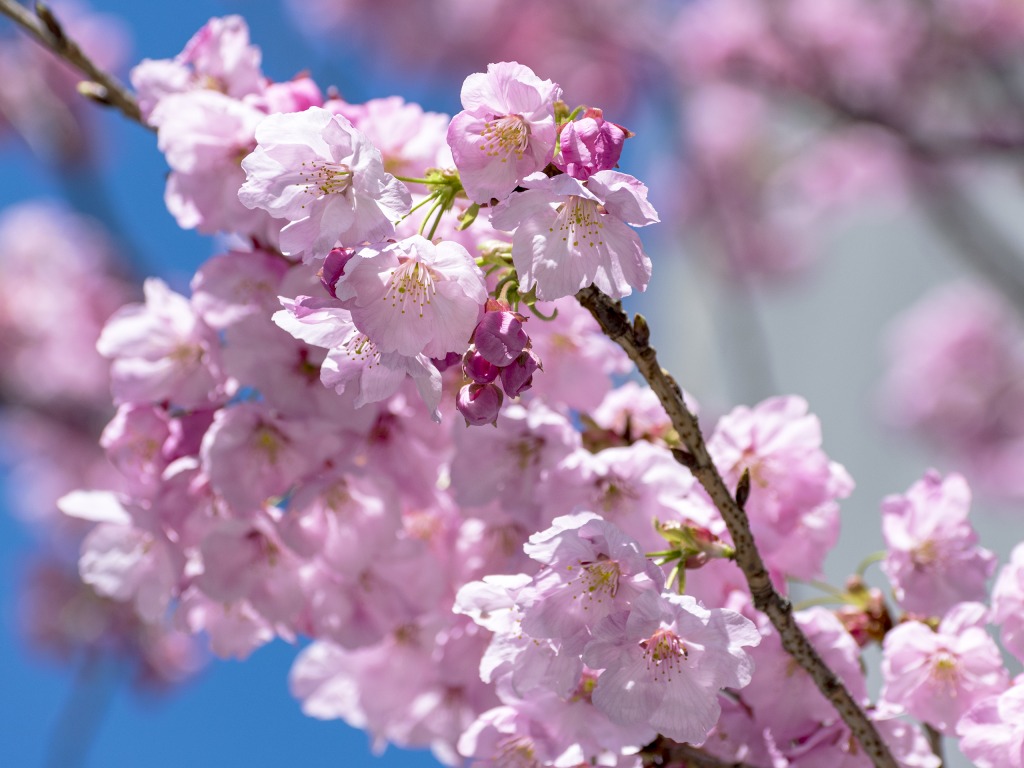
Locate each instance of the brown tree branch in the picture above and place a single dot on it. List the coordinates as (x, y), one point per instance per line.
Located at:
(634, 338)
(665, 752)
(98, 86)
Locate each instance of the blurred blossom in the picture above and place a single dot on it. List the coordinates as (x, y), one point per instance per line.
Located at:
(59, 282)
(38, 97)
(956, 378)
(66, 619)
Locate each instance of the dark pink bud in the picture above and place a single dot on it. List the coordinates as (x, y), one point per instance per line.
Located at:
(589, 145)
(499, 337)
(334, 268)
(478, 368)
(479, 404)
(444, 363)
(518, 377)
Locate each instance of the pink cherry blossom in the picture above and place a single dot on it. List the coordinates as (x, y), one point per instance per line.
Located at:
(236, 285)
(580, 362)
(594, 569)
(506, 130)
(992, 732)
(1008, 603)
(252, 455)
(571, 234)
(666, 660)
(933, 559)
(353, 360)
(775, 676)
(510, 462)
(634, 411)
(161, 350)
(219, 57)
(794, 486)
(409, 139)
(937, 676)
(414, 297)
(326, 178)
(121, 557)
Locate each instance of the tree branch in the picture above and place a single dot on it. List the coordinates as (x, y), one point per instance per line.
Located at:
(99, 86)
(634, 339)
(665, 752)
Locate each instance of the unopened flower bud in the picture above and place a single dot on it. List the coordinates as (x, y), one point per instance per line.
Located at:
(517, 377)
(589, 145)
(499, 337)
(444, 363)
(479, 404)
(478, 368)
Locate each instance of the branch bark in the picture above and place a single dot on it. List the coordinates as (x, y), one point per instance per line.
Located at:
(98, 86)
(634, 338)
(665, 752)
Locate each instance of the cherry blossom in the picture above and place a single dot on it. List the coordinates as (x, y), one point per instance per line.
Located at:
(665, 661)
(938, 675)
(933, 559)
(413, 297)
(571, 234)
(506, 130)
(317, 171)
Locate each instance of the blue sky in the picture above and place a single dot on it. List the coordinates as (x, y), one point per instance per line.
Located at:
(235, 713)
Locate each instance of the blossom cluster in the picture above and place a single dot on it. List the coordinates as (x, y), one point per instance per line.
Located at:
(54, 400)
(552, 590)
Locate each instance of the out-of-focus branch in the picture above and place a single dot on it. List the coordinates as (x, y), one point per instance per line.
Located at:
(948, 208)
(979, 243)
(99, 86)
(935, 742)
(634, 338)
(665, 752)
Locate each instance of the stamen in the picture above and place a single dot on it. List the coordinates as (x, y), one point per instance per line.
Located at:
(323, 178)
(665, 654)
(359, 349)
(504, 136)
(596, 581)
(411, 283)
(578, 221)
(515, 752)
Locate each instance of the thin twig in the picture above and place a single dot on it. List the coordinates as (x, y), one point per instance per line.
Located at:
(634, 339)
(99, 86)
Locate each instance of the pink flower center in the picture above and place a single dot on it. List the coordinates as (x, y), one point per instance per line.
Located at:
(412, 283)
(321, 177)
(505, 136)
(579, 220)
(665, 654)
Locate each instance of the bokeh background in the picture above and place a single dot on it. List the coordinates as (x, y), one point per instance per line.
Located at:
(795, 295)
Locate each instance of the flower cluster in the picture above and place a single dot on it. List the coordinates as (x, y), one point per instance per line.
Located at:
(554, 591)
